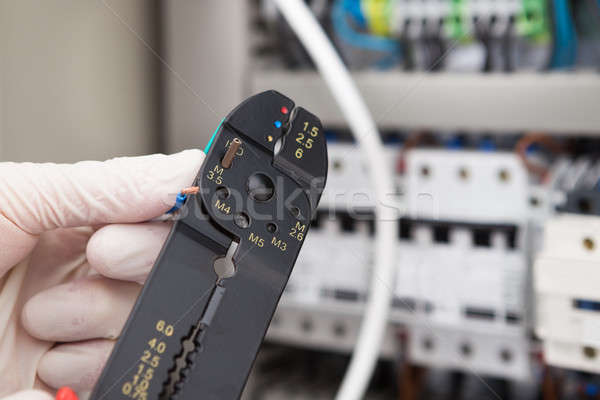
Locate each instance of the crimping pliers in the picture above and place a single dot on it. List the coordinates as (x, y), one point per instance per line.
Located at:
(193, 334)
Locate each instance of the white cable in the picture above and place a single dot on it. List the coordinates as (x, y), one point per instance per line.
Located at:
(361, 123)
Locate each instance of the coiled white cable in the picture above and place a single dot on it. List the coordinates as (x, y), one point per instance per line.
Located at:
(361, 123)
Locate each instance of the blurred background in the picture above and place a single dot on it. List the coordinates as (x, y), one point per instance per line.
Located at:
(490, 113)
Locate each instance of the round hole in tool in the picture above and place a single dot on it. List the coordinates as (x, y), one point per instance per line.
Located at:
(589, 352)
(589, 244)
(260, 187)
(463, 173)
(271, 227)
(337, 165)
(295, 211)
(222, 192)
(242, 220)
(425, 171)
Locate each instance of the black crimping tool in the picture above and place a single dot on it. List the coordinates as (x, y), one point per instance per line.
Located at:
(193, 334)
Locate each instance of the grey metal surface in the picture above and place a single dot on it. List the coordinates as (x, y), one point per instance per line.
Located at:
(563, 103)
(75, 82)
(206, 51)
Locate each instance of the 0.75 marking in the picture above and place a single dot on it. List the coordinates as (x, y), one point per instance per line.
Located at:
(137, 387)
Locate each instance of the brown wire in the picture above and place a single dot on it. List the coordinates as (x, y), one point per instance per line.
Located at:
(190, 190)
(545, 141)
(549, 385)
(413, 140)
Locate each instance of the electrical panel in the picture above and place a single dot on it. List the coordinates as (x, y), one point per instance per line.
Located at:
(464, 260)
(448, 35)
(476, 76)
(462, 272)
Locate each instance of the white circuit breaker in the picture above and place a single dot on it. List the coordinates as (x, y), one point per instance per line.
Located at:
(348, 183)
(567, 282)
(462, 272)
(463, 261)
(470, 186)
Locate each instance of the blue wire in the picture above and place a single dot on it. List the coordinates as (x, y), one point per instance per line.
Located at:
(342, 9)
(591, 390)
(487, 145)
(353, 7)
(178, 203)
(564, 52)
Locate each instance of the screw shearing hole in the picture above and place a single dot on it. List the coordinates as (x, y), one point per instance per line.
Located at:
(271, 227)
(463, 173)
(589, 244)
(242, 220)
(222, 192)
(260, 187)
(295, 212)
(337, 165)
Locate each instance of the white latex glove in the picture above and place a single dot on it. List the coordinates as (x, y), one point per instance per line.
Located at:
(59, 224)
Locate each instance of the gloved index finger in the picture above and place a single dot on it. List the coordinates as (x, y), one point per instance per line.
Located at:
(39, 197)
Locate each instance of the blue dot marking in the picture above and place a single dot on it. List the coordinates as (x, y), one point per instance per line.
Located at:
(277, 124)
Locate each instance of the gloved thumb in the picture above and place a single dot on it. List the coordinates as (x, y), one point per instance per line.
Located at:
(29, 395)
(39, 197)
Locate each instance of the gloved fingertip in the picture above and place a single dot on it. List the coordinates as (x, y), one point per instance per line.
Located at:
(66, 393)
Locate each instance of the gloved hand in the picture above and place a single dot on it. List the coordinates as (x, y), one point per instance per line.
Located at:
(74, 249)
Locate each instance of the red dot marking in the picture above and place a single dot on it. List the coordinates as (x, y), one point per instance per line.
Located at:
(284, 110)
(66, 393)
